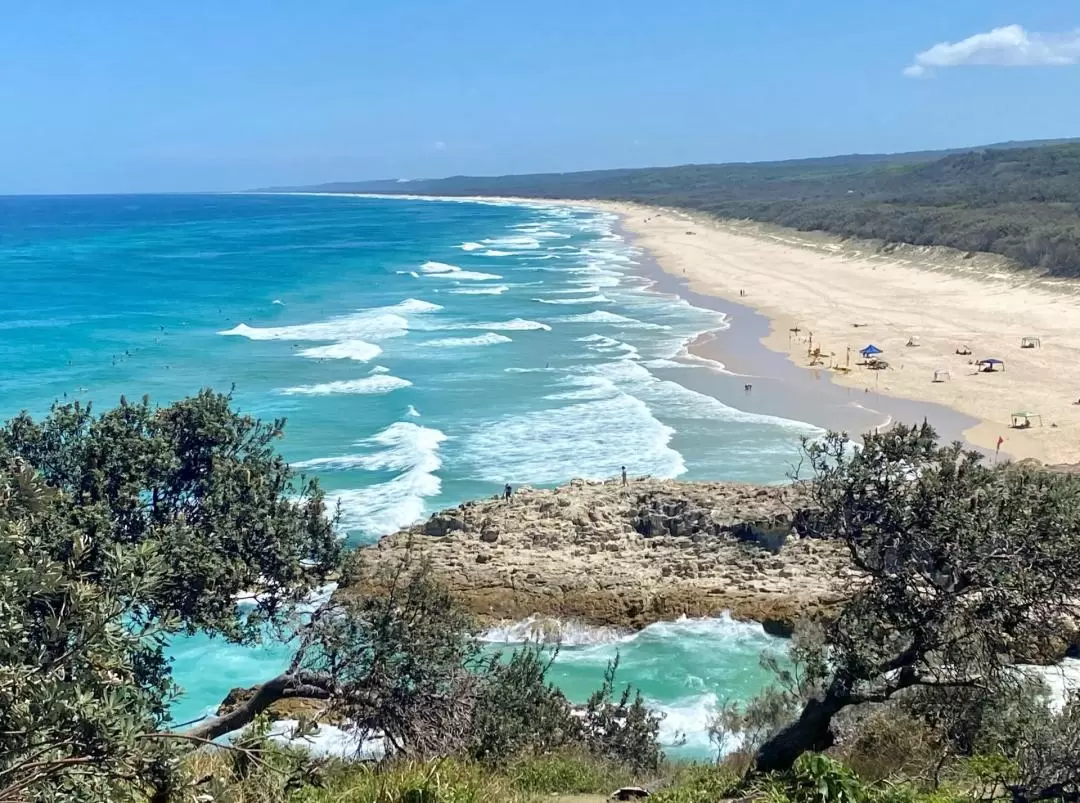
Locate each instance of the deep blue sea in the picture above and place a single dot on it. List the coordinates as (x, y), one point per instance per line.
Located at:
(423, 352)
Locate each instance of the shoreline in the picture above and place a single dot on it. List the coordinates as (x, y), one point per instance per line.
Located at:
(822, 285)
(832, 289)
(782, 388)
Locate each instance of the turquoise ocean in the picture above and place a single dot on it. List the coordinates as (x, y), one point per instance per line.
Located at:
(423, 352)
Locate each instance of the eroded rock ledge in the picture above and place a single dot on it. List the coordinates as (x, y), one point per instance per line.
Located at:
(606, 554)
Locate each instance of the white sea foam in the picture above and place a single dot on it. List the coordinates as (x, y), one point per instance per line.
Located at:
(597, 299)
(438, 267)
(607, 345)
(516, 243)
(491, 252)
(489, 339)
(586, 288)
(686, 719)
(375, 324)
(379, 369)
(412, 412)
(359, 350)
(487, 290)
(405, 447)
(603, 316)
(513, 325)
(546, 630)
(591, 439)
(327, 741)
(441, 270)
(380, 383)
(471, 246)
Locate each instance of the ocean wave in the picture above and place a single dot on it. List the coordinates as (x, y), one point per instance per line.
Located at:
(585, 288)
(441, 270)
(597, 299)
(603, 316)
(607, 345)
(489, 290)
(471, 246)
(378, 323)
(685, 667)
(438, 267)
(412, 412)
(359, 350)
(384, 508)
(327, 741)
(592, 439)
(513, 325)
(490, 339)
(515, 243)
(380, 383)
(491, 252)
(379, 369)
(546, 630)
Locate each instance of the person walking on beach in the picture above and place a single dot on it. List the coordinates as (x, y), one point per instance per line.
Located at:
(507, 492)
(624, 476)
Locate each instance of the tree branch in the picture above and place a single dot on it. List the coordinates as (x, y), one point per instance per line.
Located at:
(313, 684)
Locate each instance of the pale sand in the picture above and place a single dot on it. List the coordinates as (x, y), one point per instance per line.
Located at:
(822, 285)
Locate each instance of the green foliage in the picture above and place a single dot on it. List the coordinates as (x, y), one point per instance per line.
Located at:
(1020, 202)
(955, 587)
(395, 660)
(200, 482)
(816, 778)
(116, 531)
(698, 784)
(623, 729)
(517, 709)
(567, 772)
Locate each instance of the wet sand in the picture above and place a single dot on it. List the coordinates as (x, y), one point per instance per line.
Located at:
(738, 357)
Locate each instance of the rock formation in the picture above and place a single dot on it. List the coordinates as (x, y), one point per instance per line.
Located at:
(607, 554)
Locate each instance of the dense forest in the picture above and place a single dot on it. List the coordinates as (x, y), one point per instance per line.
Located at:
(1018, 200)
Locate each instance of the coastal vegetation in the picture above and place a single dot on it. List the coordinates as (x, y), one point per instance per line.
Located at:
(1014, 200)
(122, 529)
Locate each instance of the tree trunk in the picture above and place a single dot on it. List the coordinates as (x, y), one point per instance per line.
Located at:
(809, 732)
(303, 684)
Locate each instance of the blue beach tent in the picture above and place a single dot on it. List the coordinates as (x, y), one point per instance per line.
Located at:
(870, 351)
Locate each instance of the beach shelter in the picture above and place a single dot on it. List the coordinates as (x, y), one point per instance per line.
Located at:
(869, 351)
(942, 375)
(1030, 343)
(1023, 419)
(990, 364)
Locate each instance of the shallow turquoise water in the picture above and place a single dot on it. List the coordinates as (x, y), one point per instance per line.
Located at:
(423, 352)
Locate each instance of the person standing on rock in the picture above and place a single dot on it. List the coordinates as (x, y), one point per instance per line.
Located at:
(624, 476)
(507, 492)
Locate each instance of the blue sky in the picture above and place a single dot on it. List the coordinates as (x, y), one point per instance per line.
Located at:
(126, 96)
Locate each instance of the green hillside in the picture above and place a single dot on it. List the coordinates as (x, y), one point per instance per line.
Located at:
(1018, 200)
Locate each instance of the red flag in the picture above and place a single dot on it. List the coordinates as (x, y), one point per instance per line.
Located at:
(1001, 440)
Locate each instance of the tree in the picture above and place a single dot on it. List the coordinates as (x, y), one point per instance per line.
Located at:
(120, 530)
(117, 531)
(966, 567)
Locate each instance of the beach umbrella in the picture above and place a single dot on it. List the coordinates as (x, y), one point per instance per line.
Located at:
(991, 364)
(870, 350)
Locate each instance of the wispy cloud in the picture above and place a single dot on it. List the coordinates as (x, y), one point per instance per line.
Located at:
(1010, 46)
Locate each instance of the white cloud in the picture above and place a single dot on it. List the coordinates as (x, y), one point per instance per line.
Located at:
(1010, 46)
(440, 145)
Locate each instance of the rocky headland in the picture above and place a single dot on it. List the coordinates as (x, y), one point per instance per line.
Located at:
(606, 554)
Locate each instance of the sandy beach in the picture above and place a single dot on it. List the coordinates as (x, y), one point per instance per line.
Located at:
(842, 295)
(845, 298)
